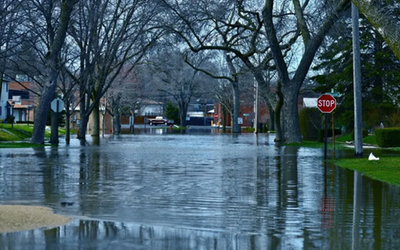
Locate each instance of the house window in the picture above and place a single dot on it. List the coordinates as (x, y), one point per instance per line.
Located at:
(1, 110)
(6, 87)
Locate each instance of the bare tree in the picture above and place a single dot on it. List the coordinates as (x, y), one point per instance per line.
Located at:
(107, 34)
(10, 20)
(238, 27)
(55, 15)
(385, 23)
(178, 80)
(125, 96)
(217, 26)
(312, 37)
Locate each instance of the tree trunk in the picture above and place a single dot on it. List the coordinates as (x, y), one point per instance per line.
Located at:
(116, 124)
(42, 110)
(67, 123)
(96, 121)
(277, 118)
(51, 68)
(182, 112)
(84, 118)
(96, 124)
(236, 107)
(271, 117)
(83, 126)
(223, 119)
(54, 128)
(291, 117)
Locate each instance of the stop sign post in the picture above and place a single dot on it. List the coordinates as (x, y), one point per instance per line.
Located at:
(326, 104)
(57, 105)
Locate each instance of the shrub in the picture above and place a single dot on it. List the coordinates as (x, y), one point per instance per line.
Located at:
(265, 128)
(321, 133)
(248, 129)
(310, 122)
(10, 119)
(388, 137)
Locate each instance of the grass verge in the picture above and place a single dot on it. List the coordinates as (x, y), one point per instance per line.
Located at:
(19, 145)
(13, 136)
(385, 169)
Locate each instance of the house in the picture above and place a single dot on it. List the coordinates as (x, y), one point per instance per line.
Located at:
(5, 107)
(21, 100)
(200, 112)
(150, 108)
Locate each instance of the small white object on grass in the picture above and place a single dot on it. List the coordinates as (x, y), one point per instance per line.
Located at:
(372, 157)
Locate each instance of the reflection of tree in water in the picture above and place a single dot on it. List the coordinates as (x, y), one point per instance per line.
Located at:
(96, 181)
(56, 175)
(239, 196)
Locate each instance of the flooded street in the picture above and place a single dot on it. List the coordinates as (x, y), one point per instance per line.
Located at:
(196, 191)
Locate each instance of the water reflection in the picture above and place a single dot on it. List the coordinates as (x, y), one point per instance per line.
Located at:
(196, 191)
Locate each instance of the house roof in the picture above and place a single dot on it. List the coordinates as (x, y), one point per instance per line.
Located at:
(19, 105)
(150, 102)
(19, 85)
(310, 102)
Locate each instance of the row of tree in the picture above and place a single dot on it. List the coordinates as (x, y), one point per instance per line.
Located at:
(116, 48)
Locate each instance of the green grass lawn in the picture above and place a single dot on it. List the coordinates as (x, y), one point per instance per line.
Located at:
(17, 135)
(16, 132)
(386, 169)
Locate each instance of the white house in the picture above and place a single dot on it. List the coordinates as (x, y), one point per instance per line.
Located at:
(151, 108)
(5, 108)
(310, 102)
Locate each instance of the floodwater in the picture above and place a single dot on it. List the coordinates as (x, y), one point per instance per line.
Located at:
(197, 191)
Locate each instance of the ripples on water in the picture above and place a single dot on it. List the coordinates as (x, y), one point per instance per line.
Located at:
(196, 192)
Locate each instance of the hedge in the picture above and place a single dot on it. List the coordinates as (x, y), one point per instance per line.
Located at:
(388, 137)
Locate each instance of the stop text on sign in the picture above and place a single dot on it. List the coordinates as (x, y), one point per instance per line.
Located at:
(326, 103)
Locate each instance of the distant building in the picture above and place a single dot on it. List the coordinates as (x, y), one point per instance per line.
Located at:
(150, 108)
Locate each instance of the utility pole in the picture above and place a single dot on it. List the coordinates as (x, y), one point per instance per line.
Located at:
(256, 107)
(358, 147)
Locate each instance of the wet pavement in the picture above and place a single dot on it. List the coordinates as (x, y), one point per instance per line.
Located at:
(197, 190)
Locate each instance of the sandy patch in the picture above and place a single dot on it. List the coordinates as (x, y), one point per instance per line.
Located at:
(19, 218)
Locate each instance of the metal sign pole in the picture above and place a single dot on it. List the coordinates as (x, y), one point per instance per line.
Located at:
(326, 135)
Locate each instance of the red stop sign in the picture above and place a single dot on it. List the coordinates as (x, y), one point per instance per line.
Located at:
(326, 103)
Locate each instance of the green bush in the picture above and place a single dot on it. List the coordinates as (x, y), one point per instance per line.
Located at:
(310, 122)
(248, 129)
(321, 133)
(388, 137)
(265, 128)
(10, 119)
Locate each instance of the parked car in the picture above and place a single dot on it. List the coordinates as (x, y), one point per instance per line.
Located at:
(160, 120)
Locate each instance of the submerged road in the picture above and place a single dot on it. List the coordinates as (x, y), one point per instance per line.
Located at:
(156, 190)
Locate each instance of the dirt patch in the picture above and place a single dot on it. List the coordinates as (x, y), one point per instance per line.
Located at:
(15, 218)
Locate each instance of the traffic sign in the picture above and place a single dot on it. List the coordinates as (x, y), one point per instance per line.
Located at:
(326, 103)
(57, 105)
